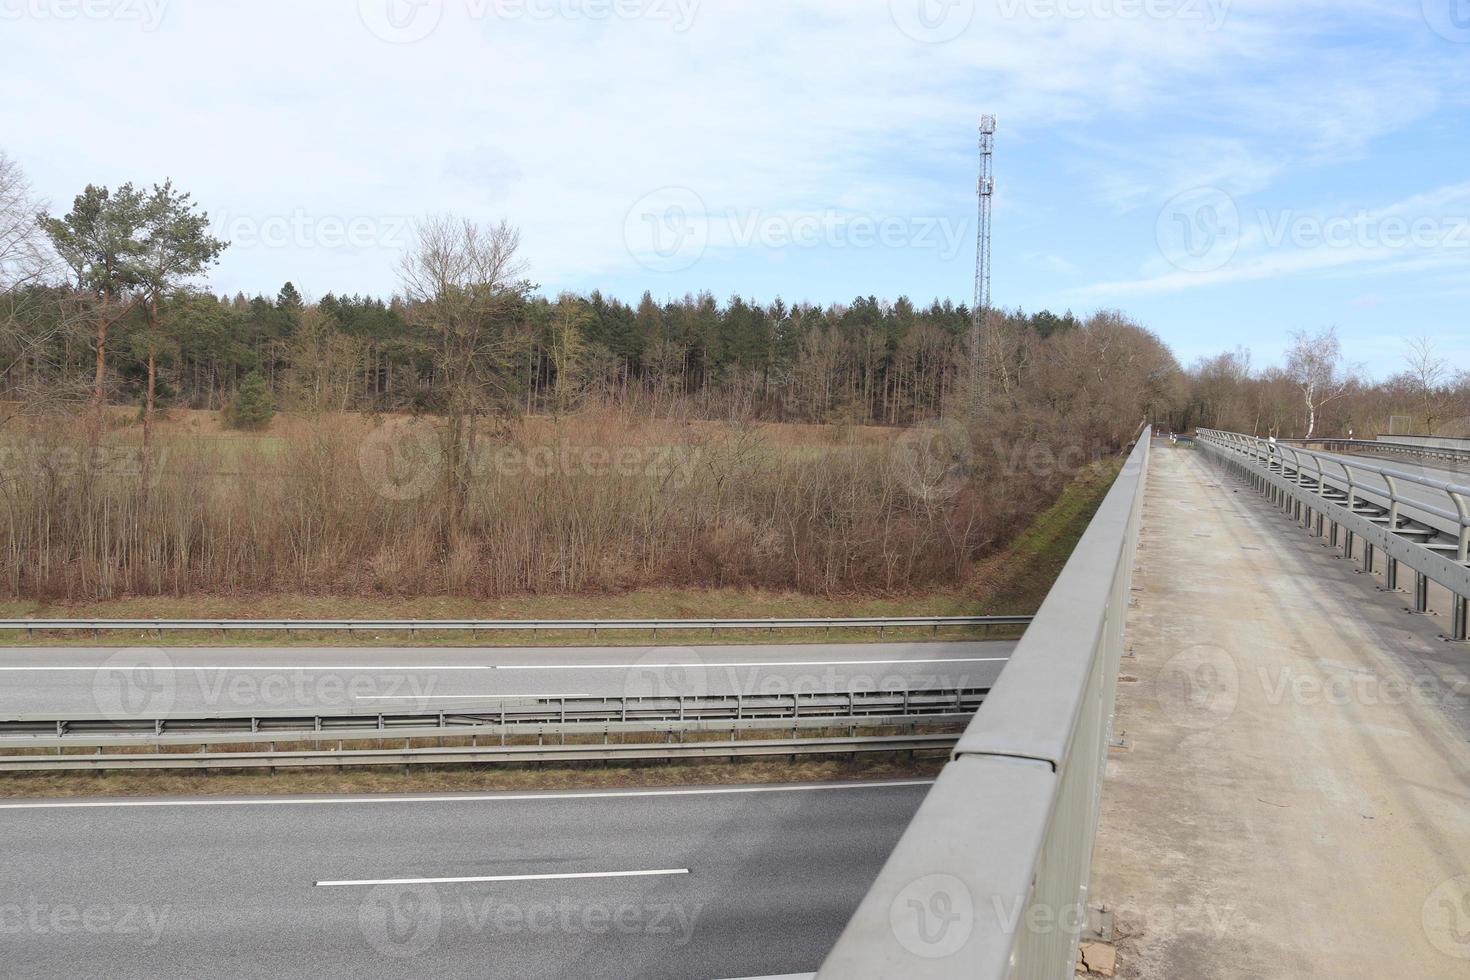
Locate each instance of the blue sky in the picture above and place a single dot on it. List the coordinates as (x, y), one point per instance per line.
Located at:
(1225, 171)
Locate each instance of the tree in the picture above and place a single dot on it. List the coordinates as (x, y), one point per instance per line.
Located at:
(323, 363)
(99, 242)
(462, 283)
(568, 349)
(24, 266)
(23, 259)
(1314, 364)
(254, 405)
(175, 247)
(1427, 378)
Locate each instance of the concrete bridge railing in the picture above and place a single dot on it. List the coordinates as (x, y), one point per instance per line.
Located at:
(990, 879)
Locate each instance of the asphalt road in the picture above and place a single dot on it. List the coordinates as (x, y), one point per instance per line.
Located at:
(689, 883)
(179, 681)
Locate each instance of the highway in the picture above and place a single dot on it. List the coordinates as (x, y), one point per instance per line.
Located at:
(711, 883)
(146, 682)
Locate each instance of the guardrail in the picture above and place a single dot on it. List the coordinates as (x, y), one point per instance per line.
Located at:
(224, 741)
(1366, 517)
(470, 754)
(533, 626)
(508, 713)
(557, 732)
(990, 879)
(1457, 446)
(1385, 445)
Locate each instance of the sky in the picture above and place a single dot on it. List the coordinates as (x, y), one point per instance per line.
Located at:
(1223, 171)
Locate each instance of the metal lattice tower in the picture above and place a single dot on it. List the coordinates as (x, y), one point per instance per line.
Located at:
(985, 188)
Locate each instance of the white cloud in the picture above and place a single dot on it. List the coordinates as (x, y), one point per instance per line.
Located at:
(269, 108)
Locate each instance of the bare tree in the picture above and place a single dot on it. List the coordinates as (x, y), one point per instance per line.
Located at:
(1314, 364)
(568, 350)
(324, 362)
(462, 283)
(24, 260)
(1221, 384)
(1427, 376)
(25, 263)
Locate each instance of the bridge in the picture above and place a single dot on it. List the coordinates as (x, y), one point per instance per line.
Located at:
(1234, 740)
(1271, 781)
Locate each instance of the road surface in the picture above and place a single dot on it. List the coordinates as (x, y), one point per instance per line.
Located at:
(708, 883)
(180, 681)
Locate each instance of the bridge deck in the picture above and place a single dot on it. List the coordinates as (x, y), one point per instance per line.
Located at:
(1294, 797)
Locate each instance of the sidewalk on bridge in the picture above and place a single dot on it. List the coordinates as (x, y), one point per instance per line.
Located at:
(1294, 796)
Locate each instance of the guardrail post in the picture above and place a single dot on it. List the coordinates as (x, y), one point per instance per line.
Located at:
(1391, 574)
(1458, 628)
(1421, 592)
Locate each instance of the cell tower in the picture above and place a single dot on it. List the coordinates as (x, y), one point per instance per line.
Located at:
(986, 189)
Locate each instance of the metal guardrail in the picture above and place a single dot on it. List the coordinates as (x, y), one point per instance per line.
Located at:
(1330, 498)
(1329, 471)
(471, 754)
(1386, 445)
(990, 879)
(533, 626)
(226, 741)
(1455, 447)
(557, 732)
(510, 712)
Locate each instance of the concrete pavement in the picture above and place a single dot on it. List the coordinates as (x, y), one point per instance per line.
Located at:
(1294, 800)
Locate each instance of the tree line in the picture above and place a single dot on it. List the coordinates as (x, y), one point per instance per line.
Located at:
(104, 304)
(1318, 392)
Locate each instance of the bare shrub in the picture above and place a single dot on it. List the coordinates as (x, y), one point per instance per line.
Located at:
(601, 500)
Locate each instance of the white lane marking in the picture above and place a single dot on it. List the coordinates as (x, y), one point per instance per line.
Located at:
(246, 667)
(473, 798)
(461, 881)
(752, 663)
(592, 666)
(498, 695)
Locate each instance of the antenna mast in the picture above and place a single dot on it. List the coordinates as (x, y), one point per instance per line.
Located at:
(986, 189)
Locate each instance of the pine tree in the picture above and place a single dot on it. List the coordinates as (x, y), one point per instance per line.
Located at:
(254, 405)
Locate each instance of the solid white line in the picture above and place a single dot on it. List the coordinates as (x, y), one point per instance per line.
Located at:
(473, 798)
(462, 881)
(591, 666)
(772, 663)
(500, 695)
(280, 667)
